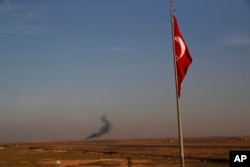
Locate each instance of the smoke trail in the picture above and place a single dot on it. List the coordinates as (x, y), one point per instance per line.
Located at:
(103, 130)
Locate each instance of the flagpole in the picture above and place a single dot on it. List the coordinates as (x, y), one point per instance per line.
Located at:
(181, 147)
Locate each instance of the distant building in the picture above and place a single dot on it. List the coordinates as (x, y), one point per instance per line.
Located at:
(58, 163)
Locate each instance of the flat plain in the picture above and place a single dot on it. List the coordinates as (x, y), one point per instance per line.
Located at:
(199, 152)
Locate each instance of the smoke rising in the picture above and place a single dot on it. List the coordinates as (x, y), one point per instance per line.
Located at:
(103, 130)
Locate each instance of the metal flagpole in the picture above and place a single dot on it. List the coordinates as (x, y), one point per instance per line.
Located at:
(176, 88)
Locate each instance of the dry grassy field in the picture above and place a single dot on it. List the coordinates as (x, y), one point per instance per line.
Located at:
(199, 152)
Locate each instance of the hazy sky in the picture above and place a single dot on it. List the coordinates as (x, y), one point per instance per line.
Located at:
(64, 64)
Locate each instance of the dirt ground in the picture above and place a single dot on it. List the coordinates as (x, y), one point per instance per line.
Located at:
(199, 152)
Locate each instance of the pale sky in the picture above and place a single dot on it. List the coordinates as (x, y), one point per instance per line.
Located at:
(64, 64)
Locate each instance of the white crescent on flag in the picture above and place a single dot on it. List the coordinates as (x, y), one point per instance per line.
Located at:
(182, 45)
(182, 56)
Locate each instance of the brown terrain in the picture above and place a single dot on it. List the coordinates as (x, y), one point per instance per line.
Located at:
(199, 152)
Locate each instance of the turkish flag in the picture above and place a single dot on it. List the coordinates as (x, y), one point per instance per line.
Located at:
(183, 57)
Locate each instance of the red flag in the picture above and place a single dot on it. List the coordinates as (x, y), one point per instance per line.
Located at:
(183, 57)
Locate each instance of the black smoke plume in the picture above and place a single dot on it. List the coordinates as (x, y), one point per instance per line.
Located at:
(103, 130)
